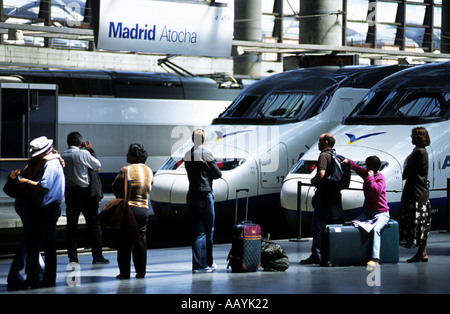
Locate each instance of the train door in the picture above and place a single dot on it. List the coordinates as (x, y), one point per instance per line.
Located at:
(274, 167)
(27, 112)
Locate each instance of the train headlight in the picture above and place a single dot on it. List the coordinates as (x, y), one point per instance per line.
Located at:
(174, 163)
(308, 166)
(305, 166)
(229, 164)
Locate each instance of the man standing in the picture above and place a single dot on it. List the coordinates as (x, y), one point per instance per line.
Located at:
(327, 201)
(202, 170)
(78, 197)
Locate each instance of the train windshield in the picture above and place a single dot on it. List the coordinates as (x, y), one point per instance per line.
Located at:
(408, 107)
(276, 107)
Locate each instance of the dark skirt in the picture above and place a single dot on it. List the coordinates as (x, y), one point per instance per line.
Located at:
(415, 224)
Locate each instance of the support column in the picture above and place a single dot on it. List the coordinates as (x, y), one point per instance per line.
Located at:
(321, 22)
(247, 26)
(445, 30)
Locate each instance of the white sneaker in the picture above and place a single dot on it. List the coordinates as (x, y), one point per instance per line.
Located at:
(213, 266)
(203, 270)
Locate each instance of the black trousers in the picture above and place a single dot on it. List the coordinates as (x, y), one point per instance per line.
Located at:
(124, 249)
(78, 200)
(42, 237)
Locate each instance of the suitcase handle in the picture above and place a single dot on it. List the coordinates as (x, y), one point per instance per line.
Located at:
(246, 206)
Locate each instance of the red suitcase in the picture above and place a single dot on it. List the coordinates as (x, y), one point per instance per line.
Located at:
(245, 253)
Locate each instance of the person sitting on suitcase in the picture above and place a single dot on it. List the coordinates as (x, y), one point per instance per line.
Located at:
(201, 169)
(375, 205)
(327, 200)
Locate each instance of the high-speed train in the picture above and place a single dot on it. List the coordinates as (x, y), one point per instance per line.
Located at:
(381, 125)
(261, 136)
(114, 109)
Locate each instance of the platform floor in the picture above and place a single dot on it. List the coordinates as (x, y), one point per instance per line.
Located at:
(169, 272)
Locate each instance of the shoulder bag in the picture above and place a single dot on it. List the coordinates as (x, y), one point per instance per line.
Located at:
(111, 215)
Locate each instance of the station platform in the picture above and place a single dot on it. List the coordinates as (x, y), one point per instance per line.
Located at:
(169, 273)
(10, 219)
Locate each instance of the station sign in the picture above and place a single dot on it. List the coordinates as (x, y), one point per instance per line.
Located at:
(197, 28)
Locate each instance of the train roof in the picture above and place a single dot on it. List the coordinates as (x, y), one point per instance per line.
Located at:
(318, 79)
(127, 84)
(32, 76)
(429, 76)
(298, 94)
(414, 96)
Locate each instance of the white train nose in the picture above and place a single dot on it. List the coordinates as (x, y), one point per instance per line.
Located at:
(172, 189)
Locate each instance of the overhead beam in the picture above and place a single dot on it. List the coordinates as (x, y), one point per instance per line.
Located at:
(300, 48)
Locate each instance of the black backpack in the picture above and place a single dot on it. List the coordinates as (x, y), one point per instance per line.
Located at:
(340, 172)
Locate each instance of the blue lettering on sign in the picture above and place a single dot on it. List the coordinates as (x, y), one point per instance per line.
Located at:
(137, 32)
(149, 33)
(446, 162)
(178, 36)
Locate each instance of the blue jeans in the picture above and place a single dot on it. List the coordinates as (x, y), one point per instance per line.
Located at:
(202, 211)
(381, 222)
(23, 208)
(327, 210)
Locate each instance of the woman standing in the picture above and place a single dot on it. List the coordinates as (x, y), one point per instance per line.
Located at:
(26, 207)
(416, 219)
(139, 180)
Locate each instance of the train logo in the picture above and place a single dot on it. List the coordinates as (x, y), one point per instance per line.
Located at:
(354, 139)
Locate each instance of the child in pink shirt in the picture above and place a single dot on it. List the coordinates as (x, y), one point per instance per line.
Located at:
(375, 204)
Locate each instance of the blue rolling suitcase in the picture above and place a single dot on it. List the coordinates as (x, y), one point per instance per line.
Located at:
(345, 245)
(245, 253)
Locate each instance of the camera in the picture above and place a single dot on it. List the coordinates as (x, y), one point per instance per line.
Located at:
(85, 144)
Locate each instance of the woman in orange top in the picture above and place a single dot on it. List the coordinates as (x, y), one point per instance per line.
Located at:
(139, 181)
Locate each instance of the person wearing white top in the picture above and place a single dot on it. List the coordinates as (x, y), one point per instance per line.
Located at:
(80, 158)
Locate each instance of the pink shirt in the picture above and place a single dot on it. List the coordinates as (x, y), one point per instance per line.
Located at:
(374, 188)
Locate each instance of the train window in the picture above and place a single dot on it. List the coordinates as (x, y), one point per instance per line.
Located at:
(42, 113)
(323, 105)
(25, 114)
(275, 106)
(101, 88)
(65, 86)
(240, 106)
(135, 89)
(81, 87)
(14, 105)
(421, 105)
(284, 106)
(373, 104)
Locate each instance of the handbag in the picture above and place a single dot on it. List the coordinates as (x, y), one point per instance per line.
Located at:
(12, 188)
(95, 185)
(117, 215)
(111, 215)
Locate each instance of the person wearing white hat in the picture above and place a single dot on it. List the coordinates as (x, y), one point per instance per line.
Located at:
(28, 181)
(40, 145)
(47, 193)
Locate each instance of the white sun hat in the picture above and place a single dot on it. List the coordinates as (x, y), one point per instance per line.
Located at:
(40, 145)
